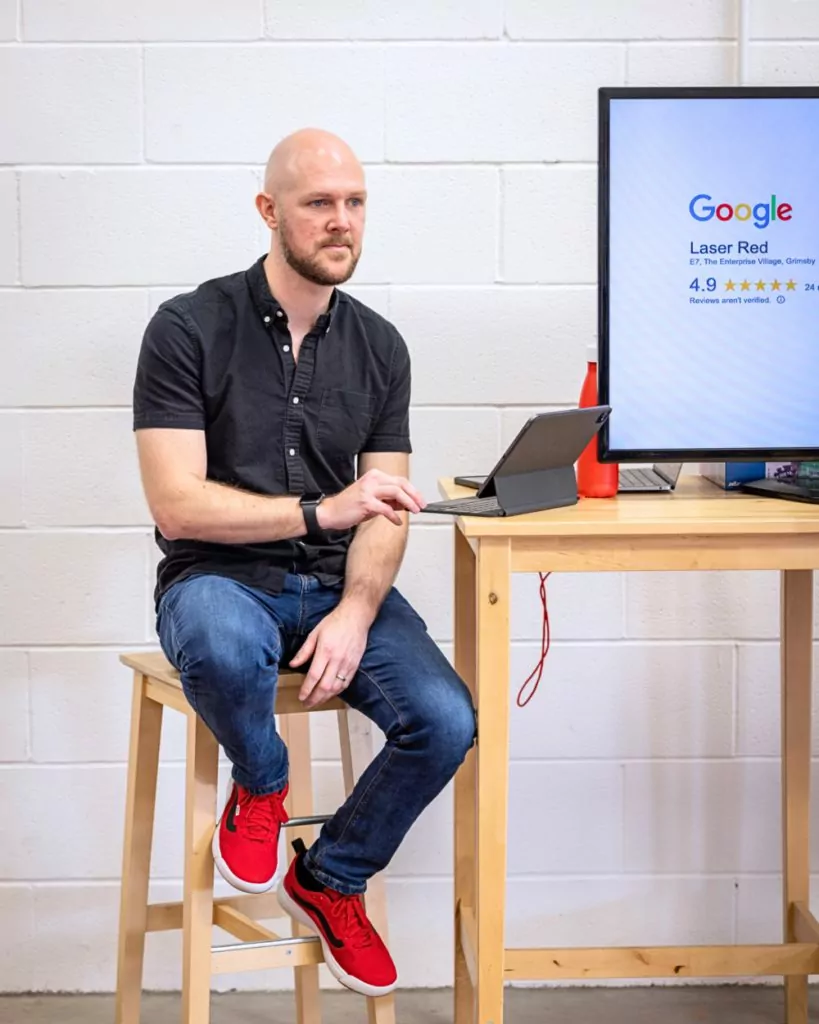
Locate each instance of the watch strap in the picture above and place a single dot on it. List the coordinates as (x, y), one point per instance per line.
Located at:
(309, 510)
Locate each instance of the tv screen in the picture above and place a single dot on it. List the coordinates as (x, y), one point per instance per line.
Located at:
(709, 280)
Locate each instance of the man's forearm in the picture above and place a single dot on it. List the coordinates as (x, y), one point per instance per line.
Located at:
(373, 561)
(208, 511)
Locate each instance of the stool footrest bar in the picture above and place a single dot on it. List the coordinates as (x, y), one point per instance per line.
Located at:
(300, 951)
(310, 819)
(231, 947)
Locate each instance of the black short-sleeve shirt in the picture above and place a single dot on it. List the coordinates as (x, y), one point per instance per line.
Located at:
(220, 359)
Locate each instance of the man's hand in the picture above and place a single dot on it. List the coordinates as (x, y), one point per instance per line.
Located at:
(336, 645)
(374, 494)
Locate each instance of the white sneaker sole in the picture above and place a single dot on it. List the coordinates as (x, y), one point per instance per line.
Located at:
(355, 984)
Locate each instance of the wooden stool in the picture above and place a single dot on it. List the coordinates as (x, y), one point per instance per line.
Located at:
(157, 686)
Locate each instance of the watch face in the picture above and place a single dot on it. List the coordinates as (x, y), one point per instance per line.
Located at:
(312, 497)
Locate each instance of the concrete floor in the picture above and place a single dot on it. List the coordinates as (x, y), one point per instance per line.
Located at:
(729, 1005)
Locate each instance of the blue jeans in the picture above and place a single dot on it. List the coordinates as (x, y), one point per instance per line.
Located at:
(227, 641)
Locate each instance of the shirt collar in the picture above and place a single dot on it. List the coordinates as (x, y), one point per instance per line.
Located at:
(269, 307)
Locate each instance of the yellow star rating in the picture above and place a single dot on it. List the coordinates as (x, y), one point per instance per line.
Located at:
(747, 286)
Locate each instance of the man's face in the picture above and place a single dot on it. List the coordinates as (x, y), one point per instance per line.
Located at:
(321, 223)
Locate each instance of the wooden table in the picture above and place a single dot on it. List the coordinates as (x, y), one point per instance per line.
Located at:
(698, 527)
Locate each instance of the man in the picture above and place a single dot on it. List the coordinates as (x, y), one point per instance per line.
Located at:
(255, 397)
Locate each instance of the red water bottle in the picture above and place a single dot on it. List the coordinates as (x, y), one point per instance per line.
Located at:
(595, 479)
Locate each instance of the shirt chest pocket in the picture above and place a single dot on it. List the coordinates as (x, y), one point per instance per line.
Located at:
(344, 422)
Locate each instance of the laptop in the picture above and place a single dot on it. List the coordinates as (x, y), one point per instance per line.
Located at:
(662, 477)
(536, 471)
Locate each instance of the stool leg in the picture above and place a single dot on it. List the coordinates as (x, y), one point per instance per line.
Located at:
(295, 732)
(197, 912)
(143, 764)
(355, 734)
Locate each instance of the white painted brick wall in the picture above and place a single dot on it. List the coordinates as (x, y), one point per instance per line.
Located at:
(9, 237)
(785, 64)
(83, 105)
(111, 227)
(15, 743)
(549, 232)
(11, 469)
(64, 348)
(249, 92)
(677, 64)
(443, 102)
(784, 19)
(442, 325)
(645, 802)
(375, 19)
(8, 20)
(152, 20)
(67, 455)
(627, 20)
(431, 225)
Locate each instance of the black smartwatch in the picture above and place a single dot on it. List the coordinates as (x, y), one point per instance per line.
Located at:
(309, 503)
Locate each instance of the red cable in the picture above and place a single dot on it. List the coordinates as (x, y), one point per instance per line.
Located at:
(545, 644)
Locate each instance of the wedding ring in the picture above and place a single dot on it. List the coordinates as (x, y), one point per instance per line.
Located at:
(342, 678)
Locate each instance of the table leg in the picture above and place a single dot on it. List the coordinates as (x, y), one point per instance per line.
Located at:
(493, 586)
(465, 780)
(796, 651)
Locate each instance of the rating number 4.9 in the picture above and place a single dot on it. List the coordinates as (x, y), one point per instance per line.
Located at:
(710, 285)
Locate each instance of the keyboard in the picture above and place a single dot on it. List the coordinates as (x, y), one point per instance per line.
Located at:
(633, 479)
(466, 507)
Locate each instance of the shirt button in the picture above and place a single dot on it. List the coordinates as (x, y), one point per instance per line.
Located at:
(296, 400)
(286, 348)
(292, 451)
(278, 312)
(267, 319)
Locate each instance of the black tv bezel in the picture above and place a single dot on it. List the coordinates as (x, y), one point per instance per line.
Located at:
(605, 452)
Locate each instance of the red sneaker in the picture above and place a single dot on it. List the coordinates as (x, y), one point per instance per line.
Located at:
(246, 840)
(353, 949)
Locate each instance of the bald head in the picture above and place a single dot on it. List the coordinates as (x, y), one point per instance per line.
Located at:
(305, 154)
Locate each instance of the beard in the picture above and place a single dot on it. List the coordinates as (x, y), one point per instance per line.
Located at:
(310, 268)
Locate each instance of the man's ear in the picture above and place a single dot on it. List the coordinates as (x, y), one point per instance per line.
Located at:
(266, 205)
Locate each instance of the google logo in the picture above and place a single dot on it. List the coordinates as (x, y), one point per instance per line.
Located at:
(763, 213)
